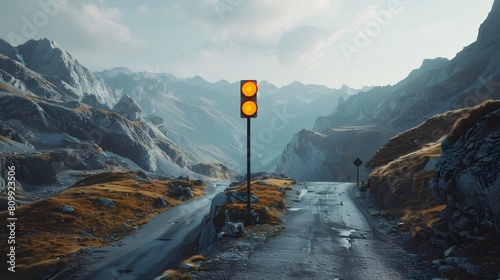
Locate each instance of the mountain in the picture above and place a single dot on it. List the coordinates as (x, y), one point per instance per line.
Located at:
(437, 86)
(56, 125)
(64, 78)
(375, 107)
(203, 117)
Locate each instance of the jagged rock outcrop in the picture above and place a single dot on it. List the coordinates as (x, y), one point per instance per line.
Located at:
(467, 179)
(128, 108)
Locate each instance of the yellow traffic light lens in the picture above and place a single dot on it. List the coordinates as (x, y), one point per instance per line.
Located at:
(249, 89)
(249, 108)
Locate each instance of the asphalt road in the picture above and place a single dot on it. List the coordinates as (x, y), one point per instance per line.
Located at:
(149, 250)
(326, 237)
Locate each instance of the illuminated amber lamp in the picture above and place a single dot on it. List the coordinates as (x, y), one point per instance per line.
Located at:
(248, 93)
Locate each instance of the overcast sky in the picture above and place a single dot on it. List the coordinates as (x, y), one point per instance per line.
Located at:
(330, 42)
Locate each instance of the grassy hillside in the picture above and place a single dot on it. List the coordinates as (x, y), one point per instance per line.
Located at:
(47, 236)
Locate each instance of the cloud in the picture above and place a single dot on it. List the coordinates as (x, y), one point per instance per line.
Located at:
(102, 26)
(305, 46)
(252, 25)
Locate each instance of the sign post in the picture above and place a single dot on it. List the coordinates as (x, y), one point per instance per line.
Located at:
(357, 162)
(248, 98)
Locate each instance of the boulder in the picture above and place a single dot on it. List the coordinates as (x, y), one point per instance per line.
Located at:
(182, 191)
(107, 202)
(242, 197)
(232, 229)
(37, 169)
(188, 193)
(160, 202)
(128, 108)
(218, 200)
(65, 209)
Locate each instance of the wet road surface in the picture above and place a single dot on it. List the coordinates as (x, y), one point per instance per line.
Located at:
(146, 253)
(326, 237)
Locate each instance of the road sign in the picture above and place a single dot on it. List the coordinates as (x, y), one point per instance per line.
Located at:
(248, 98)
(357, 162)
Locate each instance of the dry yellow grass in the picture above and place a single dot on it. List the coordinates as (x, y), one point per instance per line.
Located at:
(82, 109)
(182, 273)
(5, 139)
(416, 138)
(270, 206)
(472, 117)
(194, 259)
(47, 236)
(403, 184)
(9, 89)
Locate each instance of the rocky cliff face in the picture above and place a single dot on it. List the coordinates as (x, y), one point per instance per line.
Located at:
(329, 155)
(467, 179)
(52, 139)
(468, 175)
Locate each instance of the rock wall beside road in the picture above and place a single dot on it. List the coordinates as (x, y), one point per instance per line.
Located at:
(467, 179)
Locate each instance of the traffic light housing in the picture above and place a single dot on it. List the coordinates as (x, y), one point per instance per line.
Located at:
(248, 96)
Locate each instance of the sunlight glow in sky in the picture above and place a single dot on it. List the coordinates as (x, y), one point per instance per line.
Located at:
(330, 42)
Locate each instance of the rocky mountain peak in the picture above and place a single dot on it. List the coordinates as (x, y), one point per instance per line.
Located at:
(116, 71)
(45, 57)
(7, 49)
(488, 32)
(348, 89)
(70, 78)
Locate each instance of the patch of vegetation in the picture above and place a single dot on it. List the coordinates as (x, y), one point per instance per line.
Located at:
(471, 118)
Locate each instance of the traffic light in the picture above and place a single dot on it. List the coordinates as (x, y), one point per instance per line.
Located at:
(248, 93)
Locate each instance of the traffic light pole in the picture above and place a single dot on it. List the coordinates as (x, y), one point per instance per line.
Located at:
(249, 219)
(357, 176)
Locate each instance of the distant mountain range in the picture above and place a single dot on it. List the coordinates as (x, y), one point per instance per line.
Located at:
(203, 117)
(60, 121)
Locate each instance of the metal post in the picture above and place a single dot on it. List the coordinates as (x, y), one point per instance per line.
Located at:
(248, 173)
(357, 176)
